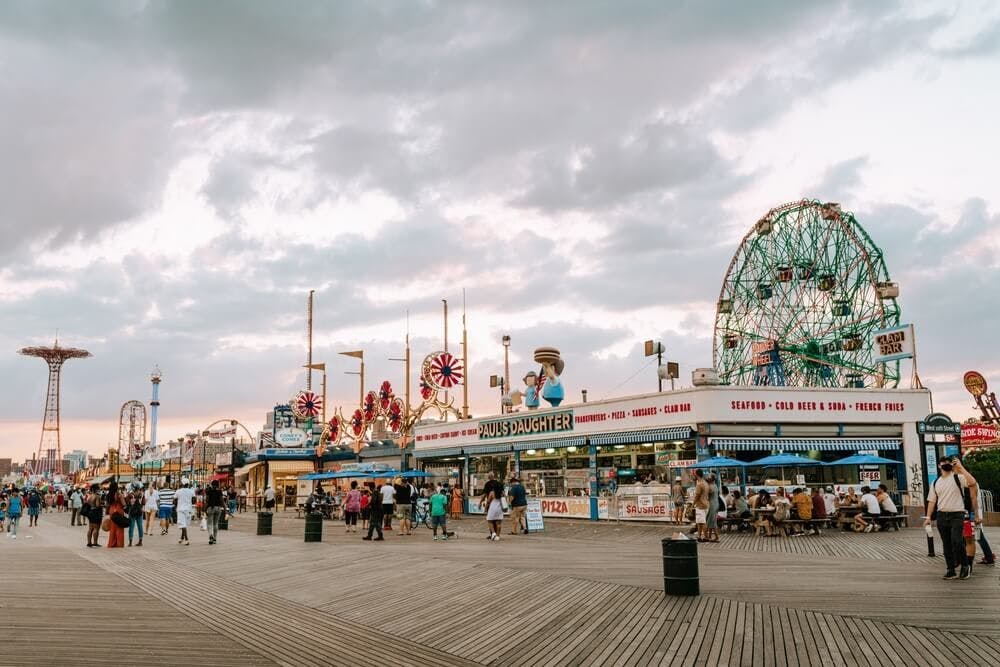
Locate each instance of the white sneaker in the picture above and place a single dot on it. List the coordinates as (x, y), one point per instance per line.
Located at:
(496, 538)
(13, 537)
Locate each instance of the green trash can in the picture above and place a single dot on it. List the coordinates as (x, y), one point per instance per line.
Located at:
(223, 520)
(314, 527)
(680, 567)
(264, 520)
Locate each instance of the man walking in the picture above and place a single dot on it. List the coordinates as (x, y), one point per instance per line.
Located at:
(701, 505)
(75, 503)
(518, 506)
(375, 510)
(185, 509)
(213, 509)
(947, 497)
(388, 494)
(402, 498)
(166, 499)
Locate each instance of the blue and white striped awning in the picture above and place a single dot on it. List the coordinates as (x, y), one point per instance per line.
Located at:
(804, 444)
(649, 435)
(491, 448)
(434, 453)
(578, 441)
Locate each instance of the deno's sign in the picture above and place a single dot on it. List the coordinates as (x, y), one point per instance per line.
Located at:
(290, 437)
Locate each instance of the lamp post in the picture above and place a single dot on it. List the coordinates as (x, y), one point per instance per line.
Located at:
(506, 368)
(498, 381)
(360, 355)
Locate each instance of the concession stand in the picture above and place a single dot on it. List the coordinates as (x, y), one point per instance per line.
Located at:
(616, 459)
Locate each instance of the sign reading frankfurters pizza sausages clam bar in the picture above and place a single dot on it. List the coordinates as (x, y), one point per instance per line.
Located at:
(684, 408)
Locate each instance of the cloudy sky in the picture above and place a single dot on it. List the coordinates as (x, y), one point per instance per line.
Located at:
(177, 176)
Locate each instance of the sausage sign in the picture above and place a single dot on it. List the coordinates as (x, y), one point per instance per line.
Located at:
(892, 344)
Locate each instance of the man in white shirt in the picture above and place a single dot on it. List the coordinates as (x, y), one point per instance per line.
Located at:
(947, 496)
(870, 510)
(830, 502)
(388, 494)
(184, 497)
(269, 499)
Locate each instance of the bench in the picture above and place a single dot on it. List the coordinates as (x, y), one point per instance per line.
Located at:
(799, 524)
(735, 522)
(891, 521)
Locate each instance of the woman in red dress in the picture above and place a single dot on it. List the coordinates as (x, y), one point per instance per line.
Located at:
(116, 505)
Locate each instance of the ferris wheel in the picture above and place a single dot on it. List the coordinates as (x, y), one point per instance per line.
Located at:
(801, 299)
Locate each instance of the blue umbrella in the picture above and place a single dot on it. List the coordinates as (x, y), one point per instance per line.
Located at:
(781, 460)
(863, 459)
(719, 462)
(784, 461)
(409, 474)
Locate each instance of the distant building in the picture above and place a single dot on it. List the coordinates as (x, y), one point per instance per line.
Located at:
(75, 460)
(6, 467)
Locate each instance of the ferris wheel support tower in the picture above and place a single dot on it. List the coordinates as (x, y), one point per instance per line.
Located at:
(49, 459)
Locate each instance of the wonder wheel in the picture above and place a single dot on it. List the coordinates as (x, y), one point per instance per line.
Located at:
(803, 295)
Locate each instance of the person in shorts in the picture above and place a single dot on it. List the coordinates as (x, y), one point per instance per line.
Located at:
(166, 499)
(439, 514)
(701, 505)
(185, 509)
(518, 506)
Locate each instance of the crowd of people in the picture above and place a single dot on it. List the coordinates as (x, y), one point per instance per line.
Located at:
(114, 509)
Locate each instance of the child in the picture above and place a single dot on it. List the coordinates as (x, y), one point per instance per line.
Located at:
(3, 514)
(366, 499)
(439, 517)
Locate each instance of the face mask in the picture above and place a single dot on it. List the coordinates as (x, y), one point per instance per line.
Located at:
(946, 467)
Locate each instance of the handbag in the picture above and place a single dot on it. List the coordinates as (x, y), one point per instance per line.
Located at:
(120, 520)
(204, 523)
(106, 524)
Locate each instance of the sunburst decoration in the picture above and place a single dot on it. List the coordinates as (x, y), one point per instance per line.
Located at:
(307, 405)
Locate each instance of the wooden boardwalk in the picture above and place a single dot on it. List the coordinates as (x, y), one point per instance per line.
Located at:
(577, 595)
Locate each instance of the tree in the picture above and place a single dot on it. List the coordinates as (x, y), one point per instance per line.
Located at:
(984, 465)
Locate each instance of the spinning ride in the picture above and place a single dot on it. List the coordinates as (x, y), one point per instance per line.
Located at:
(800, 302)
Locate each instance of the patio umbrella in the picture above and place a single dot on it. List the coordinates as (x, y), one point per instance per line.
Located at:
(783, 461)
(410, 474)
(863, 459)
(719, 462)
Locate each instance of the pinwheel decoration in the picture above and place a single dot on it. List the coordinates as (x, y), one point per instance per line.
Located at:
(370, 406)
(358, 423)
(426, 391)
(394, 415)
(307, 405)
(385, 397)
(333, 429)
(443, 370)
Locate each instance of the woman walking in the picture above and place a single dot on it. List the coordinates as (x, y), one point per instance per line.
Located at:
(116, 507)
(151, 506)
(456, 502)
(134, 508)
(94, 512)
(494, 515)
(352, 507)
(14, 505)
(366, 512)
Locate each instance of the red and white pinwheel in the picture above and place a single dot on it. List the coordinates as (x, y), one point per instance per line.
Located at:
(307, 405)
(370, 406)
(444, 370)
(384, 397)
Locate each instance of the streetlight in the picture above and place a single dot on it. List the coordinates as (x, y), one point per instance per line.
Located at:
(498, 381)
(506, 367)
(358, 354)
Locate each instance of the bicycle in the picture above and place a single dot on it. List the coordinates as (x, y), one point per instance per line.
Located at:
(422, 513)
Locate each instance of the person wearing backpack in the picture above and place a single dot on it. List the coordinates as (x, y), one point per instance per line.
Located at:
(14, 506)
(947, 503)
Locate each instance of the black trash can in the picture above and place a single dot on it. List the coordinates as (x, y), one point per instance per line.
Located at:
(680, 567)
(314, 527)
(264, 523)
(223, 520)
